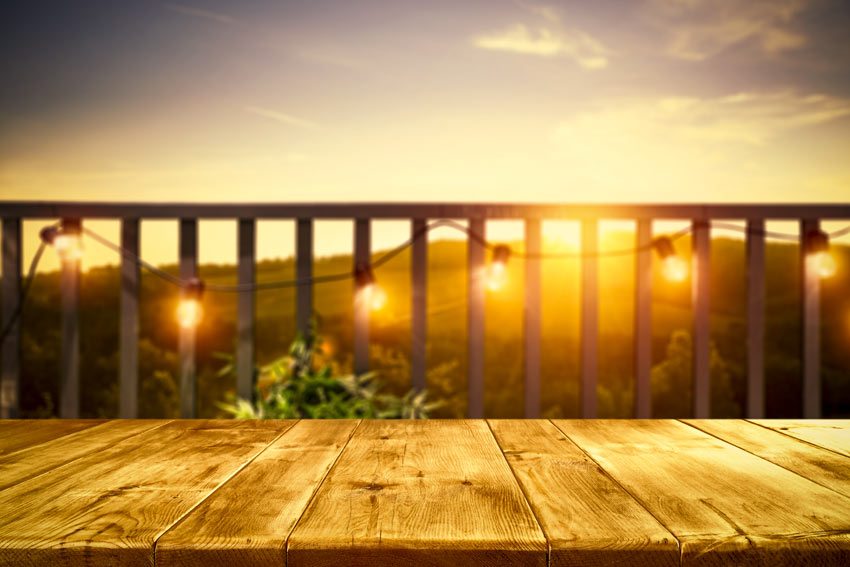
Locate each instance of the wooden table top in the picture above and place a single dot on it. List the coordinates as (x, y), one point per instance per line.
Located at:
(424, 493)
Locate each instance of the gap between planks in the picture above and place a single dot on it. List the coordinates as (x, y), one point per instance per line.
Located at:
(214, 490)
(623, 488)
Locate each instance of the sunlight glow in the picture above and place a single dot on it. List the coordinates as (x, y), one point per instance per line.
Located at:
(825, 264)
(675, 268)
(189, 313)
(68, 246)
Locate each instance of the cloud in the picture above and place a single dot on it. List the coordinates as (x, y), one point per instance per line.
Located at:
(199, 13)
(750, 118)
(672, 145)
(701, 29)
(282, 117)
(551, 39)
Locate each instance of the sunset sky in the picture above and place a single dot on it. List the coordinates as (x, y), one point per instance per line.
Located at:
(609, 101)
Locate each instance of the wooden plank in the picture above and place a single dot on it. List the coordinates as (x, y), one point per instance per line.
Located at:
(69, 390)
(246, 312)
(419, 302)
(18, 434)
(10, 373)
(129, 329)
(588, 518)
(389, 210)
(533, 301)
(186, 342)
(816, 464)
(304, 273)
(435, 493)
(810, 315)
(702, 321)
(832, 434)
(248, 520)
(35, 460)
(724, 505)
(755, 318)
(589, 353)
(108, 508)
(476, 296)
(362, 258)
(643, 320)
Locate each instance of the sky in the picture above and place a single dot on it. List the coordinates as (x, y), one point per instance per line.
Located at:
(444, 100)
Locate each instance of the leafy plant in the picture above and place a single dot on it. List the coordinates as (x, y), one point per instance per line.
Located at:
(304, 384)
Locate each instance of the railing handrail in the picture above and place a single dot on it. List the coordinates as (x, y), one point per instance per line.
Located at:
(405, 210)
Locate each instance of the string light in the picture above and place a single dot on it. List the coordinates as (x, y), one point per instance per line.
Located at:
(673, 266)
(817, 250)
(368, 289)
(497, 272)
(67, 243)
(189, 310)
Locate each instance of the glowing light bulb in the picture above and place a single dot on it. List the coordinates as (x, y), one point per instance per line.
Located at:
(825, 264)
(497, 276)
(377, 297)
(189, 313)
(189, 310)
(675, 269)
(497, 272)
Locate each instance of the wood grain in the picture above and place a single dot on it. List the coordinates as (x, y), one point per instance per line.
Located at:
(35, 460)
(424, 493)
(832, 434)
(815, 463)
(248, 520)
(591, 520)
(17, 434)
(108, 508)
(725, 505)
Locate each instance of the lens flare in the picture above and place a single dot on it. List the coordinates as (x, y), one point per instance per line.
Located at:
(374, 296)
(825, 264)
(675, 269)
(189, 313)
(68, 246)
(497, 276)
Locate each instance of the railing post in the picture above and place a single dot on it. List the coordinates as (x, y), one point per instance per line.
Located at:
(69, 397)
(701, 295)
(362, 258)
(755, 318)
(811, 324)
(129, 361)
(589, 316)
(643, 320)
(245, 307)
(533, 291)
(11, 371)
(418, 292)
(304, 273)
(188, 269)
(475, 310)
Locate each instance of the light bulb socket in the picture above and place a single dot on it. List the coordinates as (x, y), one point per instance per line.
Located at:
(501, 254)
(817, 241)
(194, 289)
(363, 275)
(664, 247)
(48, 234)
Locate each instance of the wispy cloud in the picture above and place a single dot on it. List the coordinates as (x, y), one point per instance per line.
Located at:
(199, 13)
(550, 39)
(281, 117)
(701, 29)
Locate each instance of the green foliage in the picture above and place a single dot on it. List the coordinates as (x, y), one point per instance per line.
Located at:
(301, 384)
(672, 388)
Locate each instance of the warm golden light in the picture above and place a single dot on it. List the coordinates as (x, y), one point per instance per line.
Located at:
(497, 276)
(674, 268)
(375, 296)
(68, 246)
(189, 313)
(824, 264)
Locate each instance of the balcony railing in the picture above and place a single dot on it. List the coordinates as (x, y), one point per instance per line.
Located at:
(700, 217)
